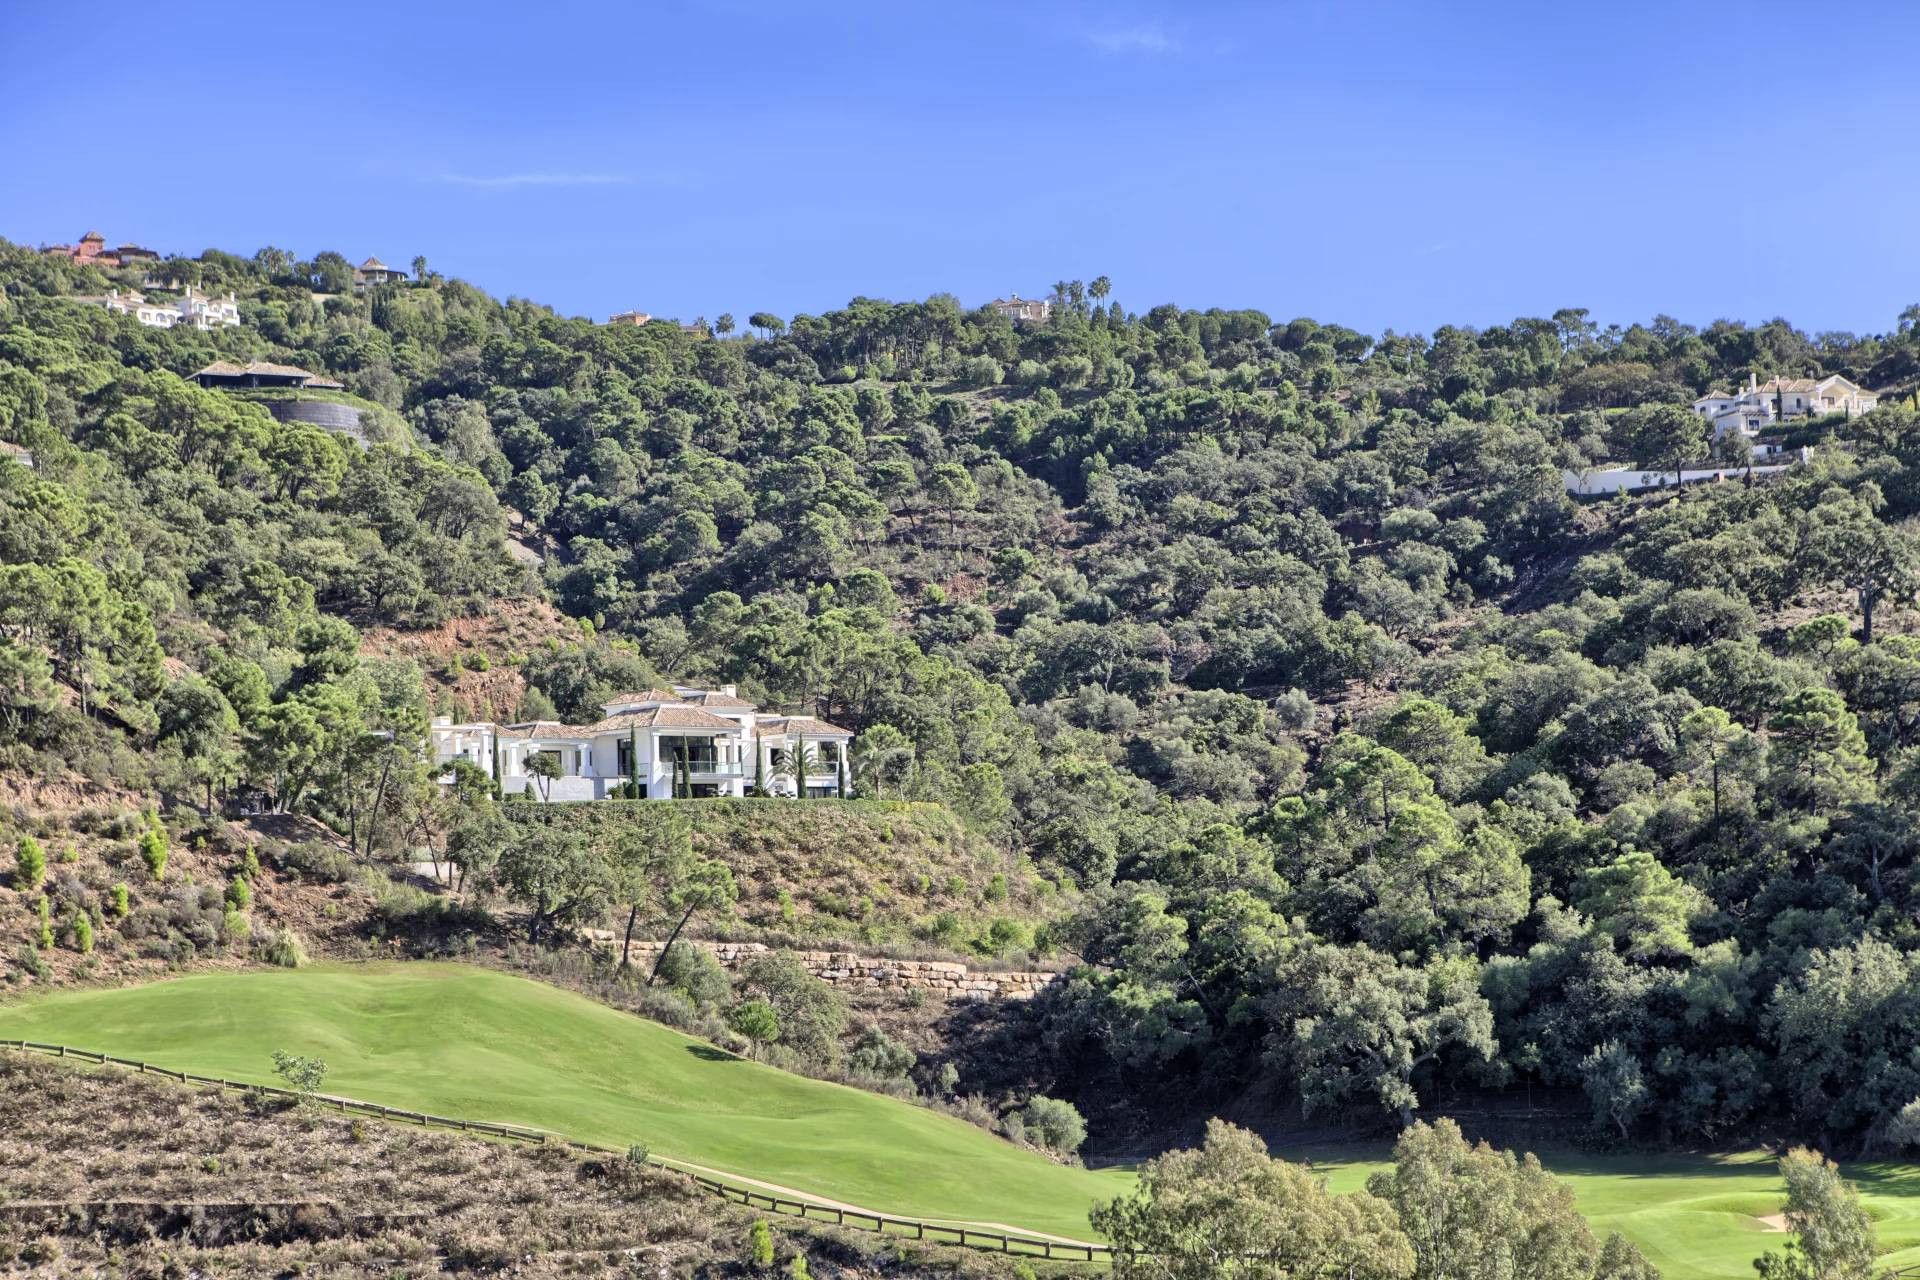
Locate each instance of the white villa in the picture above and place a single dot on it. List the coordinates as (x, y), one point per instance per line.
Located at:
(1777, 399)
(725, 743)
(196, 309)
(1023, 310)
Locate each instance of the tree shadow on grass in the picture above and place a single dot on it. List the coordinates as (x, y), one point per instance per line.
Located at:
(707, 1053)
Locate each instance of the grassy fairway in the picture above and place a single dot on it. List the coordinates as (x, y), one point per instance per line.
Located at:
(464, 1041)
(471, 1042)
(1695, 1217)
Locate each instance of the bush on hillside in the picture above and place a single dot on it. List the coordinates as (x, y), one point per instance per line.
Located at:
(694, 973)
(1054, 1124)
(284, 949)
(29, 865)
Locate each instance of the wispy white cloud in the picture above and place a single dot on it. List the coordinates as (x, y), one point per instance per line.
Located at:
(1145, 39)
(508, 181)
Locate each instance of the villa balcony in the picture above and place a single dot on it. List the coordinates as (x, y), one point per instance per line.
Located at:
(707, 767)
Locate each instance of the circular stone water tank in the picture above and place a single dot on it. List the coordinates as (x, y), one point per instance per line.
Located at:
(342, 419)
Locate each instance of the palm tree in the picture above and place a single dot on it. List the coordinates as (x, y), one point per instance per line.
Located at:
(800, 763)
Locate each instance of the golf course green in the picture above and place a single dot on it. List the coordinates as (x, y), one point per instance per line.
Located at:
(469, 1042)
(465, 1041)
(1696, 1217)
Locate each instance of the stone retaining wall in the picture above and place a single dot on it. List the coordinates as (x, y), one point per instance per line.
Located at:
(946, 979)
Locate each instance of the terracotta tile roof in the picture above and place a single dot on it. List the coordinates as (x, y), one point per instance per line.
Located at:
(668, 717)
(806, 725)
(642, 696)
(714, 698)
(544, 729)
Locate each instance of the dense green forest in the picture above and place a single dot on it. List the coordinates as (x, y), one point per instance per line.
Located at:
(1377, 768)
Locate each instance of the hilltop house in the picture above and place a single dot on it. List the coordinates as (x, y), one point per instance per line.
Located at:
(195, 309)
(92, 251)
(260, 373)
(629, 317)
(1778, 399)
(373, 272)
(1023, 310)
(724, 743)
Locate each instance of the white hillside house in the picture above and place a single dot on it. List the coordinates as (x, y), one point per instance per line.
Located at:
(195, 309)
(718, 743)
(1777, 399)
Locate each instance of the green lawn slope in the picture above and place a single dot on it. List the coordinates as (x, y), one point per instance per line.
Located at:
(470, 1042)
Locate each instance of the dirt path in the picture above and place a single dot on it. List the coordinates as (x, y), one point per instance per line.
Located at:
(825, 1203)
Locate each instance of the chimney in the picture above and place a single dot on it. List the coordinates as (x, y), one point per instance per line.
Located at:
(730, 690)
(1753, 380)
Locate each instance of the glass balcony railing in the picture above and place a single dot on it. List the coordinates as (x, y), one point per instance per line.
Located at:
(713, 767)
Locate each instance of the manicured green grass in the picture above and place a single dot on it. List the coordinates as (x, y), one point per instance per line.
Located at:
(470, 1042)
(1696, 1217)
(463, 1041)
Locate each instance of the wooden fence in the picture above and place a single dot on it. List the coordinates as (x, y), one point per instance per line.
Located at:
(856, 1219)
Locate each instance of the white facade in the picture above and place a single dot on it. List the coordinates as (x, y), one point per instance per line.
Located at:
(195, 309)
(1023, 310)
(202, 312)
(1629, 480)
(727, 746)
(1761, 404)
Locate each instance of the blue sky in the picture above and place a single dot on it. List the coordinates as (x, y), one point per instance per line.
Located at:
(1377, 164)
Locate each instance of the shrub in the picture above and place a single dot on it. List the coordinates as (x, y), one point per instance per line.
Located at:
(69, 854)
(82, 933)
(121, 900)
(234, 926)
(239, 893)
(980, 371)
(811, 1013)
(153, 849)
(760, 1243)
(695, 974)
(43, 912)
(637, 1153)
(322, 861)
(997, 888)
(797, 1269)
(285, 949)
(1053, 1124)
(29, 865)
(250, 863)
(303, 1075)
(879, 1056)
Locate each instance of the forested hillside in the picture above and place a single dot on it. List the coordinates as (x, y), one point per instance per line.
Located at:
(1377, 767)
